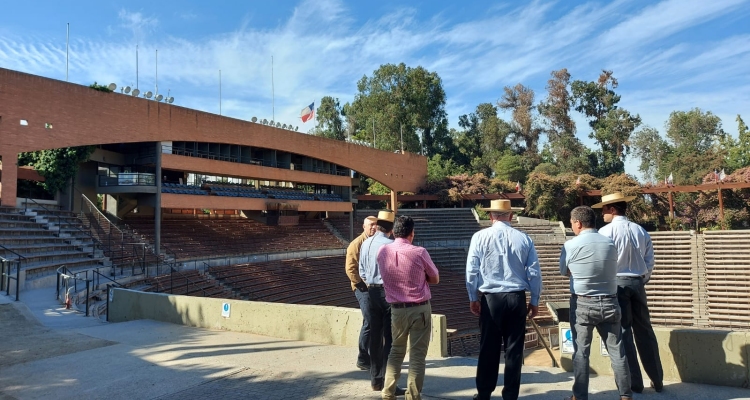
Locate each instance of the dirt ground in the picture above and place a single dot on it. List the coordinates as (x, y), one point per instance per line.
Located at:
(24, 339)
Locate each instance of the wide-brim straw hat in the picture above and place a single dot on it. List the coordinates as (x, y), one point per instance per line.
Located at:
(615, 197)
(501, 205)
(387, 216)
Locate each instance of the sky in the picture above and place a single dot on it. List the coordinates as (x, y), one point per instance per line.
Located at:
(667, 56)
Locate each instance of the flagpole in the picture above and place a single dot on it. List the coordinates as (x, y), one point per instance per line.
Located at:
(273, 98)
(219, 92)
(67, 51)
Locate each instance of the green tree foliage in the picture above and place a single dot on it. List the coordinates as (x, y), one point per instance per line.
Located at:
(57, 166)
(692, 148)
(738, 151)
(100, 88)
(611, 126)
(330, 123)
(551, 197)
(483, 139)
(510, 167)
(439, 168)
(400, 99)
(525, 129)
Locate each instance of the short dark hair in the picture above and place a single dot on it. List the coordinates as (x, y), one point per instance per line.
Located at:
(385, 226)
(620, 206)
(403, 227)
(585, 215)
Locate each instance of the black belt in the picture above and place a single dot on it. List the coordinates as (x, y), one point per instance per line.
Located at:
(407, 305)
(608, 296)
(375, 285)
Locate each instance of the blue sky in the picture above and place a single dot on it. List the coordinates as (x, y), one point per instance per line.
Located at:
(667, 56)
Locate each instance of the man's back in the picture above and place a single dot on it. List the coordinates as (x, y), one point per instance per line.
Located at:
(635, 252)
(591, 259)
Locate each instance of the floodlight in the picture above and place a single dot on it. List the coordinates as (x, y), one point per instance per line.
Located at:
(136, 92)
(148, 94)
(127, 89)
(112, 86)
(278, 124)
(170, 100)
(254, 119)
(283, 126)
(296, 128)
(159, 97)
(265, 121)
(270, 123)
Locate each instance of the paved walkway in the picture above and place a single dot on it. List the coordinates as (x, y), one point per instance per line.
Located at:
(153, 360)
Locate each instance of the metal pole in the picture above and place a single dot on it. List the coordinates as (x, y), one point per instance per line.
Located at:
(219, 92)
(87, 297)
(18, 278)
(136, 66)
(721, 209)
(67, 52)
(157, 206)
(156, 78)
(273, 98)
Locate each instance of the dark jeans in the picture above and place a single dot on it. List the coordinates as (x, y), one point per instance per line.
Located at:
(380, 334)
(364, 334)
(604, 315)
(502, 320)
(636, 321)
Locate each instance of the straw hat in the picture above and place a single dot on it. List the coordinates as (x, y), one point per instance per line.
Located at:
(615, 197)
(501, 205)
(387, 216)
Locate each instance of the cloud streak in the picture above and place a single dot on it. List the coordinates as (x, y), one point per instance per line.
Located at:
(323, 49)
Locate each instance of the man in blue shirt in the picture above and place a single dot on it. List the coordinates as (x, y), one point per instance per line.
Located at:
(590, 259)
(635, 262)
(502, 265)
(380, 311)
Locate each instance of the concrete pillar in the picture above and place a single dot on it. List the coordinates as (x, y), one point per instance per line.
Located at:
(8, 186)
(394, 202)
(157, 201)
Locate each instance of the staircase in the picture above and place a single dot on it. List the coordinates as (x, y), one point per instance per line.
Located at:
(46, 239)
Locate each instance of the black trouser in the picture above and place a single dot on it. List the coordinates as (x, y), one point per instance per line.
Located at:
(636, 321)
(502, 320)
(380, 334)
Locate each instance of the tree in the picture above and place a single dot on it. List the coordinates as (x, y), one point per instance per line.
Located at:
(611, 126)
(400, 99)
(695, 139)
(330, 124)
(483, 139)
(439, 168)
(653, 151)
(526, 131)
(738, 152)
(565, 148)
(57, 166)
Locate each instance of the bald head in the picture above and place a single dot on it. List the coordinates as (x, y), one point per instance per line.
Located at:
(369, 226)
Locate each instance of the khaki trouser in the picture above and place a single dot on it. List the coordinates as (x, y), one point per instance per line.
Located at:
(413, 326)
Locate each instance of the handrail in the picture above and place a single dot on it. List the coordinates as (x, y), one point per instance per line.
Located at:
(26, 207)
(92, 207)
(18, 272)
(171, 278)
(65, 273)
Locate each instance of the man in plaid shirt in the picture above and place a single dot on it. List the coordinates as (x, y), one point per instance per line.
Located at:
(407, 271)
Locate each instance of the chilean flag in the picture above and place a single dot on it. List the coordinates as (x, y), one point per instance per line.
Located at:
(308, 112)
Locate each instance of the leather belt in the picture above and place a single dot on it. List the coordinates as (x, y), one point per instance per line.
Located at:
(407, 305)
(608, 296)
(375, 285)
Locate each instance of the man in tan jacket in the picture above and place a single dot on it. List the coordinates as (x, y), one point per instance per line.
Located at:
(360, 290)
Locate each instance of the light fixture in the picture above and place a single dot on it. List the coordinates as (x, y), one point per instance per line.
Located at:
(265, 121)
(112, 87)
(159, 97)
(126, 89)
(254, 119)
(148, 94)
(136, 92)
(170, 100)
(278, 124)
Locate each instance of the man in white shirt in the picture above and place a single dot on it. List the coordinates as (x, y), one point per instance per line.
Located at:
(635, 262)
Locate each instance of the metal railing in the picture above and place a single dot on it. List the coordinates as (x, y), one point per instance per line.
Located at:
(6, 275)
(128, 179)
(64, 276)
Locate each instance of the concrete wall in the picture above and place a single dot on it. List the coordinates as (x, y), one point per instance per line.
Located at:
(713, 357)
(319, 324)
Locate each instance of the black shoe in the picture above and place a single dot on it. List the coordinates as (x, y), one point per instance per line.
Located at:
(657, 386)
(480, 397)
(400, 391)
(636, 390)
(377, 386)
(362, 366)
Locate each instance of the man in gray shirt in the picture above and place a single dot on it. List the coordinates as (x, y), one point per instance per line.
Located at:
(590, 259)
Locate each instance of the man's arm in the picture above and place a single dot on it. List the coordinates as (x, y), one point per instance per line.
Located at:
(473, 278)
(534, 276)
(564, 262)
(648, 254)
(352, 263)
(430, 269)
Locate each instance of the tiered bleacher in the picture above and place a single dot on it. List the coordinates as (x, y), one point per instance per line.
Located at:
(288, 194)
(193, 237)
(178, 188)
(328, 197)
(188, 283)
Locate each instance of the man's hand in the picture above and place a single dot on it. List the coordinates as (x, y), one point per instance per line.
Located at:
(475, 307)
(647, 278)
(532, 311)
(361, 286)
